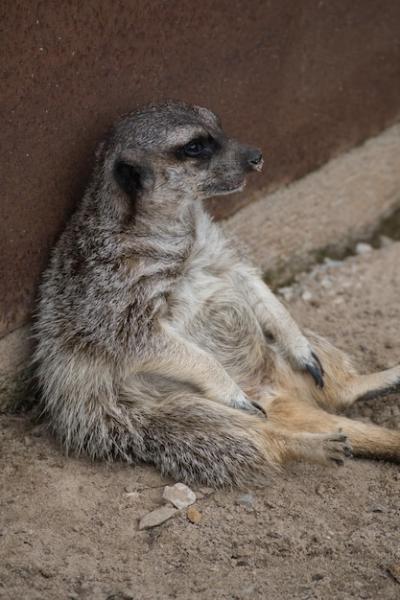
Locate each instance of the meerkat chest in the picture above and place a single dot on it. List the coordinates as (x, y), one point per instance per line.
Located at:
(191, 294)
(209, 308)
(205, 279)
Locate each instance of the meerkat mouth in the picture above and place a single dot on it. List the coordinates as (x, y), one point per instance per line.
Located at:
(239, 187)
(231, 189)
(258, 166)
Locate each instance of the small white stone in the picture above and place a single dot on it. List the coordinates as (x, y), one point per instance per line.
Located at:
(363, 248)
(132, 495)
(346, 283)
(385, 241)
(157, 517)
(326, 282)
(286, 292)
(330, 262)
(306, 296)
(246, 500)
(180, 495)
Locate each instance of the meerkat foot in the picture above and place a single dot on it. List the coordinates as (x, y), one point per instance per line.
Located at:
(335, 447)
(326, 448)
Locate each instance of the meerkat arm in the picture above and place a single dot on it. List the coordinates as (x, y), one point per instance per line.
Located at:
(175, 357)
(276, 321)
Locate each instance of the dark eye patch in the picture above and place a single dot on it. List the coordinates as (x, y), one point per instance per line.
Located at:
(201, 147)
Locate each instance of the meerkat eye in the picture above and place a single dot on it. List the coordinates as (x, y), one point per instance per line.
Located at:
(200, 147)
(194, 148)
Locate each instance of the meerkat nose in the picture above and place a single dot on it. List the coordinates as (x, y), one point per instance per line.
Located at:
(255, 160)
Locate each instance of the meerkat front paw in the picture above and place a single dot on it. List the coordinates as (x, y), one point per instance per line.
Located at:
(304, 358)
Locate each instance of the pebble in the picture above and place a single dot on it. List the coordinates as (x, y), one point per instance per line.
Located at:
(38, 431)
(130, 489)
(385, 241)
(306, 296)
(242, 562)
(287, 293)
(220, 499)
(206, 491)
(132, 495)
(363, 248)
(330, 262)
(46, 573)
(376, 508)
(321, 489)
(193, 515)
(157, 517)
(180, 495)
(326, 282)
(246, 500)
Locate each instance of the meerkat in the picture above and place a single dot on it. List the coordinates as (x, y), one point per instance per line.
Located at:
(157, 342)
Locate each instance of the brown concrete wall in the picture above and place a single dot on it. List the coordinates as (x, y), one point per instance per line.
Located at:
(303, 79)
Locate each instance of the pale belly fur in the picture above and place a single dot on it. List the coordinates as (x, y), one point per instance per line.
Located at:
(209, 311)
(208, 308)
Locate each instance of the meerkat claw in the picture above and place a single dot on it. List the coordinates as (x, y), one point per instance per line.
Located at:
(316, 371)
(260, 409)
(315, 357)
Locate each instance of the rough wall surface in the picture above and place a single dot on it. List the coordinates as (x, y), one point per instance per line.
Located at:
(303, 80)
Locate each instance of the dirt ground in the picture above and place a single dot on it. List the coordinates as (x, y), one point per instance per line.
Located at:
(69, 528)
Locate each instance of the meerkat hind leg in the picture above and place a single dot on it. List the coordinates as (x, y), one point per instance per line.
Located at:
(374, 385)
(342, 390)
(343, 384)
(367, 440)
(192, 438)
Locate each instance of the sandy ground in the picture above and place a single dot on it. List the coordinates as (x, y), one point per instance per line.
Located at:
(69, 529)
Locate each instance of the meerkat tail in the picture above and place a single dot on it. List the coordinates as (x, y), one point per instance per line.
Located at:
(195, 440)
(186, 437)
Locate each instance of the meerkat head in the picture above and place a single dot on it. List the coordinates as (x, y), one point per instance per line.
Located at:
(174, 151)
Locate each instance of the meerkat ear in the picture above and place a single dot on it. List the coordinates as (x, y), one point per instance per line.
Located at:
(208, 115)
(130, 177)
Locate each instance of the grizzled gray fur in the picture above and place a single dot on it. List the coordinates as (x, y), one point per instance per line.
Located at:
(155, 340)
